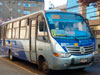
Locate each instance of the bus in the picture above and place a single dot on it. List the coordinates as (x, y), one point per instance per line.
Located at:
(54, 40)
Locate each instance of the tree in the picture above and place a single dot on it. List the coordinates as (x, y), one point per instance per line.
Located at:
(87, 2)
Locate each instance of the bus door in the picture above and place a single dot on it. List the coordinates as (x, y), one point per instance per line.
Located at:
(33, 39)
(3, 32)
(42, 36)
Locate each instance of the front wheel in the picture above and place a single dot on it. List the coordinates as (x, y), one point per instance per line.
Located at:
(45, 67)
(80, 69)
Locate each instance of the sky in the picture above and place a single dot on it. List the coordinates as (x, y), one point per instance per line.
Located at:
(55, 2)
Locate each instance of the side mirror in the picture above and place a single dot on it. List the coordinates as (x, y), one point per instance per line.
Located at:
(41, 26)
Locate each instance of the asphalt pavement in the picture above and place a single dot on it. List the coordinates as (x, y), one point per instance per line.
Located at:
(20, 67)
(7, 68)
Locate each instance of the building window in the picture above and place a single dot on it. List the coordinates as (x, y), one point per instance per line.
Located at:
(91, 12)
(0, 3)
(26, 5)
(40, 5)
(33, 11)
(19, 4)
(19, 11)
(26, 12)
(34, 5)
(0, 9)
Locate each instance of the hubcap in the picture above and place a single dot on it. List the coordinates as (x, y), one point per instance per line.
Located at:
(45, 67)
(10, 56)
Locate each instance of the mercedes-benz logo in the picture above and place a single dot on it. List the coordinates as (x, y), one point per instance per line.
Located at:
(82, 50)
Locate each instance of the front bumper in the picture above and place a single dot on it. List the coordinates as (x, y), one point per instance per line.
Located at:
(73, 62)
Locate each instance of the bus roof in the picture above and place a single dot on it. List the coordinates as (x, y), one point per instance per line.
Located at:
(61, 11)
(19, 18)
(27, 16)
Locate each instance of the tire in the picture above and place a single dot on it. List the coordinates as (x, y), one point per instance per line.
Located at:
(80, 69)
(11, 56)
(45, 68)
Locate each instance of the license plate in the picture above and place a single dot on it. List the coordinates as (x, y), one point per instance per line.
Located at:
(83, 60)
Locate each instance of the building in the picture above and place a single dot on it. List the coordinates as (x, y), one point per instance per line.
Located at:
(62, 7)
(89, 12)
(16, 8)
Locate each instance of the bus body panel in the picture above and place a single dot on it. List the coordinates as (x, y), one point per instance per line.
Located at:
(45, 49)
(72, 62)
(66, 63)
(20, 48)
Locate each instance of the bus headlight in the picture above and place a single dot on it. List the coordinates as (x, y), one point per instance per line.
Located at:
(59, 48)
(60, 52)
(62, 55)
(95, 52)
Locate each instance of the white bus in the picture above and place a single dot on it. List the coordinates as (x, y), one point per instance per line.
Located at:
(53, 40)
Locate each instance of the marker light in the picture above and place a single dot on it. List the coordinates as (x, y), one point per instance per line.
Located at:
(56, 54)
(62, 55)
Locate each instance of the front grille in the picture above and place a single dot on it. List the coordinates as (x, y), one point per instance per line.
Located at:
(80, 50)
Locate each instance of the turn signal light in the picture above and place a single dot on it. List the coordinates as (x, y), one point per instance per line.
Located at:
(56, 54)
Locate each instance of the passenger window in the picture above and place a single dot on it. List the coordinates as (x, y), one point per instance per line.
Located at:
(22, 33)
(33, 27)
(24, 29)
(15, 33)
(27, 32)
(42, 29)
(8, 30)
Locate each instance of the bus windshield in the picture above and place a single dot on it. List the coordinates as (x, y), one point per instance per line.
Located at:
(68, 26)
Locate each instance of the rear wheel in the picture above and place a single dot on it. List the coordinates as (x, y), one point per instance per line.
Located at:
(10, 55)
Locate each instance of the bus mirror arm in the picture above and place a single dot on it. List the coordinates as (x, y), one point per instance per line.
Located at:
(87, 21)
